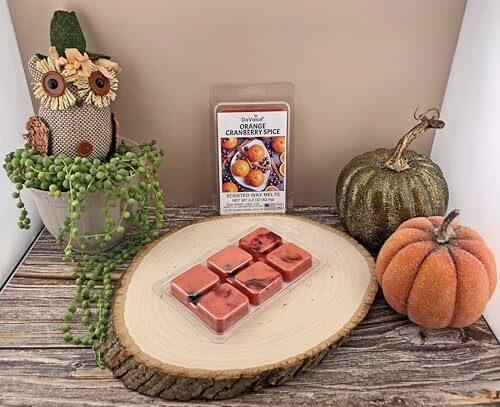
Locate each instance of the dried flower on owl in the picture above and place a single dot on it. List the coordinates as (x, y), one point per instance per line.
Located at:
(75, 63)
(52, 89)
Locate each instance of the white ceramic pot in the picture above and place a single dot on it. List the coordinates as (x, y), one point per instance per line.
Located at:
(53, 211)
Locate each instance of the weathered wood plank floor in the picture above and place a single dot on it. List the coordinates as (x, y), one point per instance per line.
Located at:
(386, 361)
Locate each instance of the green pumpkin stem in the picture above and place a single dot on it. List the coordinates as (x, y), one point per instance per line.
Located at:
(444, 233)
(398, 161)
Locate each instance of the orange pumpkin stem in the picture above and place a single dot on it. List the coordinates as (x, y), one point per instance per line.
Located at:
(445, 232)
(398, 162)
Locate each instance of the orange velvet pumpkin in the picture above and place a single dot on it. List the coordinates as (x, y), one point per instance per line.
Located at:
(437, 272)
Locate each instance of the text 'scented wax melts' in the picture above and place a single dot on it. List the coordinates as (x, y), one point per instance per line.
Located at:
(260, 241)
(259, 282)
(228, 261)
(189, 286)
(223, 307)
(290, 260)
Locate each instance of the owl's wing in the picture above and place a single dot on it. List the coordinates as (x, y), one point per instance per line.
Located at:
(38, 134)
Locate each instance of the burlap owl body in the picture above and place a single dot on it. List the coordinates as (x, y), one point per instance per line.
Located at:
(75, 92)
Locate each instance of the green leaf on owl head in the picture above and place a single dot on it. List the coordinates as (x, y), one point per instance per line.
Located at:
(65, 32)
(93, 56)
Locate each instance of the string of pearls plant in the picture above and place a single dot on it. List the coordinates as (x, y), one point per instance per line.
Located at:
(129, 180)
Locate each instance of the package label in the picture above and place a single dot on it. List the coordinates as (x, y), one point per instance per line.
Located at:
(252, 161)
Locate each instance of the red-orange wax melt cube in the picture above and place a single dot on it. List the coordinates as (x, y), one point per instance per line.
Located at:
(260, 241)
(189, 286)
(228, 261)
(222, 307)
(258, 282)
(290, 260)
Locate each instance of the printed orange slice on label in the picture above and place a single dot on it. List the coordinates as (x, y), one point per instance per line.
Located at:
(282, 157)
(255, 178)
(240, 168)
(229, 187)
(272, 188)
(282, 169)
(229, 143)
(256, 153)
(279, 144)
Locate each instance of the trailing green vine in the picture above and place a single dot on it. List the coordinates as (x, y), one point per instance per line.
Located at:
(129, 181)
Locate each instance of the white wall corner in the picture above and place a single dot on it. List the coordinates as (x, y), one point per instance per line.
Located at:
(468, 148)
(15, 108)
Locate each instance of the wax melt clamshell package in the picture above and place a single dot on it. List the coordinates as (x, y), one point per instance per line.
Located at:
(223, 288)
(251, 135)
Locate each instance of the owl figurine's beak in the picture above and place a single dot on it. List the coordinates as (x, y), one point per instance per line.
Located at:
(79, 102)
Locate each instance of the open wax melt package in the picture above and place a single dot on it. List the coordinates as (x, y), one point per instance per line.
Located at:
(222, 289)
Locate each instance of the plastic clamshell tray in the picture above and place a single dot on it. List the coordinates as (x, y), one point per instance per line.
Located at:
(222, 289)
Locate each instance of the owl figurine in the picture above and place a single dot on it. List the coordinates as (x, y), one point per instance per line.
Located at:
(75, 89)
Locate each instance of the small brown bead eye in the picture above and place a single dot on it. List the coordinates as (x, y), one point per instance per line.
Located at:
(99, 83)
(53, 84)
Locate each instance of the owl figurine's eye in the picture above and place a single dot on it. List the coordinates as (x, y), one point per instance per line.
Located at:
(99, 83)
(53, 84)
(99, 89)
(52, 89)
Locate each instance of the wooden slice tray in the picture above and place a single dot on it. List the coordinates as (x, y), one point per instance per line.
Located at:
(157, 351)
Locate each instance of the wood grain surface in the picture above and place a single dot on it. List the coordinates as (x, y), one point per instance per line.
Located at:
(385, 361)
(155, 350)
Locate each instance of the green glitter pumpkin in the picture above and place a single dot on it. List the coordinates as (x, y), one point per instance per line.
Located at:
(380, 189)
